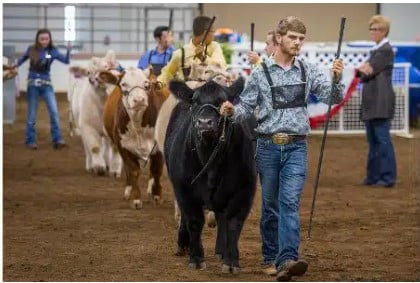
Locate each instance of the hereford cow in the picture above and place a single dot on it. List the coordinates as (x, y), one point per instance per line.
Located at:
(130, 117)
(210, 161)
(87, 107)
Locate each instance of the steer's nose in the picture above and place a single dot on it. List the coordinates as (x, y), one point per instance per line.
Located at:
(205, 123)
(139, 101)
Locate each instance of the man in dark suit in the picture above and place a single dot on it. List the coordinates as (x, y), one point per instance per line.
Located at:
(378, 104)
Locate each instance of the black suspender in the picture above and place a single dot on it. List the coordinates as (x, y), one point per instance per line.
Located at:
(280, 93)
(267, 75)
(270, 81)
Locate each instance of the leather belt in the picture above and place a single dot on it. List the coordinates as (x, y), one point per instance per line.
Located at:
(39, 82)
(282, 138)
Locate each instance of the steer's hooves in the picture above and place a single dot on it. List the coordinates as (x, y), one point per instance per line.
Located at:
(236, 270)
(137, 204)
(225, 269)
(219, 256)
(100, 171)
(157, 200)
(194, 265)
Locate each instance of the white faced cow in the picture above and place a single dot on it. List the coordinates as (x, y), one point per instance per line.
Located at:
(87, 106)
(130, 117)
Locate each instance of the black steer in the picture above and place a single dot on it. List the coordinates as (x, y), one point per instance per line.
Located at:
(210, 162)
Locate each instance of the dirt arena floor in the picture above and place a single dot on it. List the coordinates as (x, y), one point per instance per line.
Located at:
(62, 224)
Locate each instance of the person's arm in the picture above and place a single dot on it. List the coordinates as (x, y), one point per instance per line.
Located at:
(169, 71)
(321, 86)
(143, 61)
(60, 57)
(24, 57)
(381, 60)
(217, 57)
(248, 98)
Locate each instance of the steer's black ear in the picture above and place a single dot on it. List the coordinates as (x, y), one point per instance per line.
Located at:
(181, 90)
(236, 88)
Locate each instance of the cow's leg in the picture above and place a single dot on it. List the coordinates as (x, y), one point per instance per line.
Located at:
(183, 238)
(231, 255)
(221, 235)
(88, 158)
(128, 188)
(154, 188)
(132, 169)
(114, 161)
(195, 222)
(93, 144)
(135, 193)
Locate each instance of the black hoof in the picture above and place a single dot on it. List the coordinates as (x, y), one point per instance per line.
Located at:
(226, 269)
(193, 265)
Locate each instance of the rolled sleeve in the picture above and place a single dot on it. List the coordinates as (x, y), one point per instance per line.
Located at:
(248, 99)
(321, 87)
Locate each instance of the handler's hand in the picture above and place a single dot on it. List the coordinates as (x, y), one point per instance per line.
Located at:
(337, 69)
(199, 51)
(253, 57)
(366, 69)
(227, 109)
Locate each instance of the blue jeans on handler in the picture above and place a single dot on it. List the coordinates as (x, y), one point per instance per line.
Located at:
(47, 93)
(282, 170)
(381, 164)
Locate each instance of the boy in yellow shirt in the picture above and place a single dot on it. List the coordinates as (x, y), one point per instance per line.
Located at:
(209, 52)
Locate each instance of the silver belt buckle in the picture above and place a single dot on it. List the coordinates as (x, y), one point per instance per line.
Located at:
(280, 138)
(38, 82)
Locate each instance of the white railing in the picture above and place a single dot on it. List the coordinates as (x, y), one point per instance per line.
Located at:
(347, 121)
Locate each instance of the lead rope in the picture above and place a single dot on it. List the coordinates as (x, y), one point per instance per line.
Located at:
(213, 155)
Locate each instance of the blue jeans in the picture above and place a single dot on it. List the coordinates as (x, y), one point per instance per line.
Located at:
(282, 170)
(381, 164)
(47, 93)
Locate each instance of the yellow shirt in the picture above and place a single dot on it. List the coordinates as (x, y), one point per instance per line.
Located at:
(174, 67)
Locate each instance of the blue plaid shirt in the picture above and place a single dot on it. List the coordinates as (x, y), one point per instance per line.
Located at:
(293, 121)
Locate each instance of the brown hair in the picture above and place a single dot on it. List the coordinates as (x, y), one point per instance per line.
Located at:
(200, 25)
(272, 33)
(290, 23)
(36, 47)
(383, 23)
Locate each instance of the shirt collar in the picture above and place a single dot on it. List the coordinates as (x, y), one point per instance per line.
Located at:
(168, 50)
(270, 62)
(381, 43)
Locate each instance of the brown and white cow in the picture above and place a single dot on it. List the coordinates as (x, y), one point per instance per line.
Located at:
(130, 118)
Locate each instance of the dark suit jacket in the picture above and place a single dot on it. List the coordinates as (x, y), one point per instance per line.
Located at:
(378, 97)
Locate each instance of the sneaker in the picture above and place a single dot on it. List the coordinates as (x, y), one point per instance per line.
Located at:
(59, 145)
(269, 269)
(381, 183)
(291, 268)
(32, 146)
